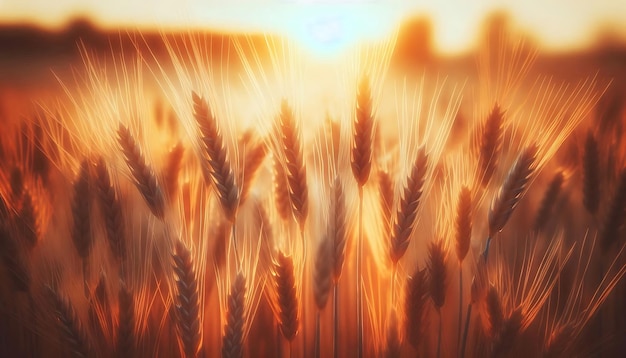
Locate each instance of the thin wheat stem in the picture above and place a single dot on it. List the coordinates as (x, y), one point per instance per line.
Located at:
(458, 336)
(394, 272)
(335, 320)
(359, 296)
(439, 334)
(233, 238)
(317, 334)
(466, 329)
(304, 281)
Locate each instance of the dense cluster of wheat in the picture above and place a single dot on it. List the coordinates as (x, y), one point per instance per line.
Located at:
(129, 230)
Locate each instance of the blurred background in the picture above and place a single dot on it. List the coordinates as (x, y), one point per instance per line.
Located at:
(39, 39)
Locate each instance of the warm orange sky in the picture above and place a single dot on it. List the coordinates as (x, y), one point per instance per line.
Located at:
(558, 24)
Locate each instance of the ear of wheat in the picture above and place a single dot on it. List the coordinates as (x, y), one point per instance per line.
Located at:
(614, 219)
(409, 205)
(216, 161)
(187, 301)
(295, 167)
(285, 287)
(126, 339)
(281, 191)
(463, 223)
(509, 332)
(254, 157)
(337, 230)
(491, 143)
(549, 200)
(417, 293)
(363, 133)
(323, 267)
(70, 328)
(81, 234)
(494, 310)
(591, 174)
(27, 222)
(14, 259)
(171, 171)
(386, 194)
(232, 342)
(143, 175)
(111, 211)
(512, 190)
(437, 272)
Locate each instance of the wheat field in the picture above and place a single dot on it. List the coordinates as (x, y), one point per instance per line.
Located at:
(265, 204)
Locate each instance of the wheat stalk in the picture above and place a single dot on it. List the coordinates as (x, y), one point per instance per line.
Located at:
(216, 161)
(494, 310)
(126, 340)
(559, 342)
(281, 191)
(393, 345)
(171, 171)
(72, 331)
(16, 183)
(416, 296)
(409, 205)
(437, 280)
(361, 156)
(187, 301)
(143, 175)
(463, 226)
(27, 222)
(111, 209)
(294, 162)
(81, 215)
(491, 143)
(548, 201)
(614, 218)
(81, 233)
(337, 234)
(14, 259)
(591, 174)
(361, 163)
(322, 272)
(386, 194)
(511, 193)
(285, 287)
(252, 163)
(232, 342)
(510, 330)
(100, 313)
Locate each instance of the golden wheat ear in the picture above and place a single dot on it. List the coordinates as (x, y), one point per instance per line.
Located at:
(322, 272)
(591, 174)
(511, 193)
(463, 223)
(215, 159)
(187, 301)
(548, 202)
(614, 219)
(232, 341)
(295, 167)
(72, 332)
(409, 205)
(285, 287)
(111, 209)
(491, 143)
(363, 134)
(415, 305)
(126, 340)
(143, 174)
(508, 334)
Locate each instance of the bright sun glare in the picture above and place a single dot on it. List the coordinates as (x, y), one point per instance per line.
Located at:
(326, 27)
